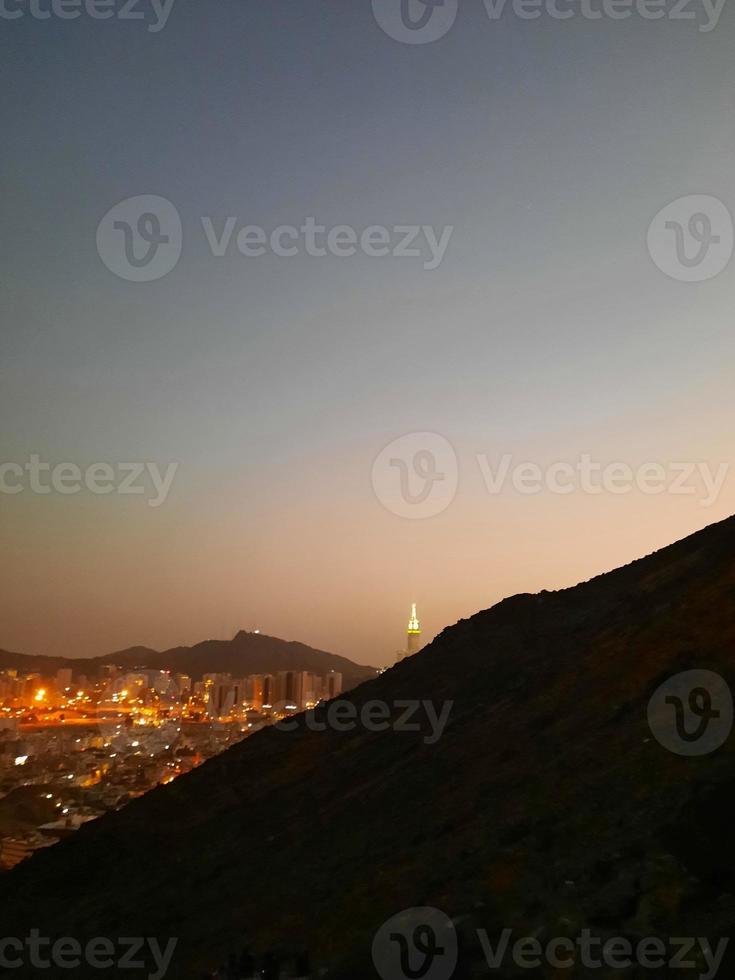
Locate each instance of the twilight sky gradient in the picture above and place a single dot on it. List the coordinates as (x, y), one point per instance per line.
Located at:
(547, 331)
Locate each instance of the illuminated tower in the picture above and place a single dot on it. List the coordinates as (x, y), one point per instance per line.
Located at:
(413, 636)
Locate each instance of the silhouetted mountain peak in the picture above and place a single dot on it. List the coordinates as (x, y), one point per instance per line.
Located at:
(247, 653)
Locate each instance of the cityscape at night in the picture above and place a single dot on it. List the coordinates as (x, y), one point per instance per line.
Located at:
(367, 490)
(72, 748)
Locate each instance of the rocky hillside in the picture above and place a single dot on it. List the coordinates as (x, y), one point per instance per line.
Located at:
(547, 805)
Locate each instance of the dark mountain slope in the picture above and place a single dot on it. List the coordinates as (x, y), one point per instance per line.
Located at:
(31, 662)
(547, 805)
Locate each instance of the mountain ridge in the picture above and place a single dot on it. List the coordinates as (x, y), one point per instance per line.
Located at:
(547, 805)
(246, 653)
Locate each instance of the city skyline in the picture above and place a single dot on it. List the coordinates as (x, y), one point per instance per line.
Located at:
(85, 744)
(413, 627)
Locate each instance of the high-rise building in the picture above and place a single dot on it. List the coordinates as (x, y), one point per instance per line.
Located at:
(413, 636)
(255, 692)
(221, 699)
(158, 680)
(210, 679)
(313, 688)
(184, 683)
(269, 691)
(30, 685)
(63, 678)
(332, 684)
(240, 691)
(289, 689)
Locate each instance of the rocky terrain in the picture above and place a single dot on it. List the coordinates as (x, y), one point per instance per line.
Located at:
(548, 804)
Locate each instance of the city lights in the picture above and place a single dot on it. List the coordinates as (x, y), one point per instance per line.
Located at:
(110, 738)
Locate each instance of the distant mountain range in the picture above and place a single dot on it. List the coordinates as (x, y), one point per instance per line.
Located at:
(247, 653)
(547, 807)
